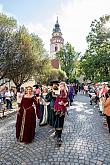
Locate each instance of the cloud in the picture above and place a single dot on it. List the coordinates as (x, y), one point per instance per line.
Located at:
(75, 17)
(42, 31)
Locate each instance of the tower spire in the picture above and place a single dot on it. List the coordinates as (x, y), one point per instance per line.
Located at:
(57, 19)
(57, 27)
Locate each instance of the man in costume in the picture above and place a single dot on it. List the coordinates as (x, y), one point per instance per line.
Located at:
(51, 97)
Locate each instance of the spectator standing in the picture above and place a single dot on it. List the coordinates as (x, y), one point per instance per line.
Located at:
(107, 108)
(8, 99)
(82, 88)
(37, 91)
(103, 91)
(20, 94)
(76, 87)
(71, 93)
(12, 95)
(0, 101)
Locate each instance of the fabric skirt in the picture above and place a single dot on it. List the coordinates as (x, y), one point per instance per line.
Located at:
(25, 125)
(59, 120)
(44, 114)
(51, 117)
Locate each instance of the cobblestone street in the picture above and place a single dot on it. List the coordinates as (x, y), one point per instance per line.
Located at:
(86, 140)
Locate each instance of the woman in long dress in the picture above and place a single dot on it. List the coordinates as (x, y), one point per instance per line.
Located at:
(26, 117)
(44, 107)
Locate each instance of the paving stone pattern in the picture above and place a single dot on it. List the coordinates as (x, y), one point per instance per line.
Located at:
(86, 140)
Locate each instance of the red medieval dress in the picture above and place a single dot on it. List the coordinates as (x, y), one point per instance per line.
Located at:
(26, 119)
(60, 107)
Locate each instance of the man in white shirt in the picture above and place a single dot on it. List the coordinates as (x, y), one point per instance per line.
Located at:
(8, 99)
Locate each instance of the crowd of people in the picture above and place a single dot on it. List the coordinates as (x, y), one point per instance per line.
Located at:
(7, 96)
(49, 104)
(100, 95)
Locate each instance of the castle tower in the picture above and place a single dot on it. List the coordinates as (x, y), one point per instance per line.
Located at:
(57, 41)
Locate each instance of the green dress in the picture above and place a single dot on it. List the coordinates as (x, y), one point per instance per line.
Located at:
(51, 114)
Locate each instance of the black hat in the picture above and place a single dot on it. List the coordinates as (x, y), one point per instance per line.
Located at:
(36, 86)
(54, 82)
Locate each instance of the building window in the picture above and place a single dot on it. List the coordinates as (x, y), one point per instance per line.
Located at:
(56, 48)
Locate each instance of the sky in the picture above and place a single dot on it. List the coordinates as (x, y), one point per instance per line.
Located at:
(75, 17)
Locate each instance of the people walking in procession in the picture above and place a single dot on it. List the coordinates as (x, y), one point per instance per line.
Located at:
(44, 107)
(51, 97)
(60, 109)
(26, 117)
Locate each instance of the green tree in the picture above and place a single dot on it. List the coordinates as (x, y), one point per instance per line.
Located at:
(46, 73)
(7, 27)
(20, 51)
(43, 71)
(96, 62)
(67, 56)
(24, 57)
(57, 74)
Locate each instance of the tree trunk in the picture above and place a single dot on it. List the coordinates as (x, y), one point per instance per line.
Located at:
(18, 87)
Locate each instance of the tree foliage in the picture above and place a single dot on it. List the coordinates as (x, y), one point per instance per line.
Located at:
(67, 56)
(46, 73)
(23, 58)
(20, 51)
(96, 62)
(43, 71)
(57, 74)
(7, 26)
